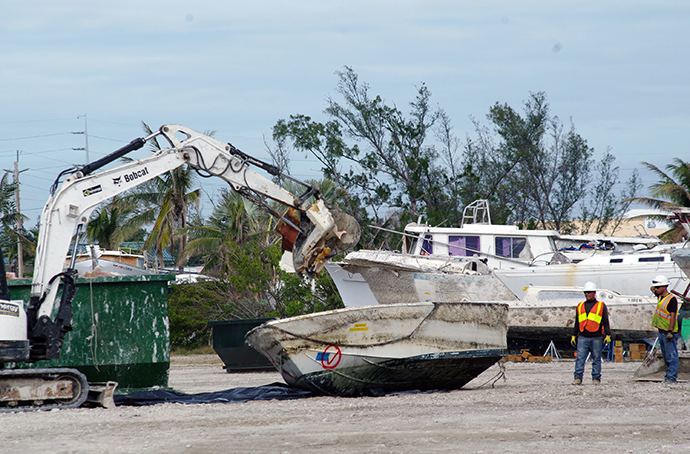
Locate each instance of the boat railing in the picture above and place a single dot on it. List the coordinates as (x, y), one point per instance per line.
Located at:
(476, 212)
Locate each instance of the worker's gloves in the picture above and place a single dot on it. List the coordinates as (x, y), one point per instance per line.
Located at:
(573, 341)
(607, 340)
(669, 336)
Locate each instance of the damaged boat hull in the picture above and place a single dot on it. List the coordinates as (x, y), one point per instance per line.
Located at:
(385, 348)
(540, 315)
(425, 372)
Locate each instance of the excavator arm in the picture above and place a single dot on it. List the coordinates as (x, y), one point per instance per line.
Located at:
(312, 231)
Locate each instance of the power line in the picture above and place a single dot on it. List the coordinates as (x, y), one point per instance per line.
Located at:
(115, 123)
(36, 137)
(31, 121)
(107, 138)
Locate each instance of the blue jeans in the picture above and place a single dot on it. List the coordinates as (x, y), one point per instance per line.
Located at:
(669, 350)
(587, 345)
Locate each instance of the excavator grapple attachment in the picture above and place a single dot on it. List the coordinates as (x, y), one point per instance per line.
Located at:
(327, 233)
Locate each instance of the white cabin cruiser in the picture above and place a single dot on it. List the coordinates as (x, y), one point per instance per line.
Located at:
(519, 258)
(501, 246)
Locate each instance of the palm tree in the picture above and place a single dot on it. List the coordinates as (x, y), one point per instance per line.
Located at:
(8, 210)
(234, 221)
(163, 202)
(8, 219)
(109, 226)
(672, 190)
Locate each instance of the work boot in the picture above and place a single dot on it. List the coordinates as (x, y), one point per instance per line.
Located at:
(596, 382)
(577, 381)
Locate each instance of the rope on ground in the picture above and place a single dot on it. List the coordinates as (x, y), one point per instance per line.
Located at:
(501, 374)
(93, 338)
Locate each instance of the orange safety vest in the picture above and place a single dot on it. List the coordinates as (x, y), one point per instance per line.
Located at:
(662, 317)
(590, 322)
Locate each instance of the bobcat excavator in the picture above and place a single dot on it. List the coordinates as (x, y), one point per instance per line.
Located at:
(312, 231)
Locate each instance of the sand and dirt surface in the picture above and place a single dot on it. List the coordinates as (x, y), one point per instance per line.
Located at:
(534, 410)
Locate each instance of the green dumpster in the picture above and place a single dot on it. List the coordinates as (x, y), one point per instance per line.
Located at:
(120, 330)
(229, 344)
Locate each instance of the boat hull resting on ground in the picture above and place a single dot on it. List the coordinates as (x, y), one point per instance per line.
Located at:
(385, 348)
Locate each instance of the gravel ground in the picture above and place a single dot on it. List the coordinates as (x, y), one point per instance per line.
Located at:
(534, 410)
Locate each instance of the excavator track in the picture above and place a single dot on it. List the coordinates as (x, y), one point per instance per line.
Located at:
(42, 389)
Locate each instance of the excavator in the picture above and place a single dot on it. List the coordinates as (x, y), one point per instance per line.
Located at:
(311, 230)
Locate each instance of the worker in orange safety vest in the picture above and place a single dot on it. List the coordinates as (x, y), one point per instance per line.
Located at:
(591, 325)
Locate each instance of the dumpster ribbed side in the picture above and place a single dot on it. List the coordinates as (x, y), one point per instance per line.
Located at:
(121, 330)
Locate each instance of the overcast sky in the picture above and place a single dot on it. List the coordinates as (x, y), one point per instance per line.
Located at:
(619, 69)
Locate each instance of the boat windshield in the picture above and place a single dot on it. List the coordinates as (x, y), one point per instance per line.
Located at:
(552, 243)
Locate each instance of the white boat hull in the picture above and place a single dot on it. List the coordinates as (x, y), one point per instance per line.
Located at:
(542, 314)
(384, 348)
(108, 268)
(681, 257)
(633, 279)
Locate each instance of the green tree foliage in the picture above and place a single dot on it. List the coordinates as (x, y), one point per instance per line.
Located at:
(191, 307)
(254, 288)
(389, 167)
(397, 167)
(108, 225)
(602, 209)
(243, 293)
(8, 212)
(9, 236)
(532, 169)
(8, 209)
(233, 221)
(295, 296)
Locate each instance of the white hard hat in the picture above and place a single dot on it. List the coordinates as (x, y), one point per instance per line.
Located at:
(660, 281)
(590, 287)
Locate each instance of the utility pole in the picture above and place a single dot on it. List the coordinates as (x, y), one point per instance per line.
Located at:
(20, 252)
(86, 137)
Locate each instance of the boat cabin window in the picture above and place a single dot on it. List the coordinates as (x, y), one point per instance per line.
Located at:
(427, 245)
(464, 246)
(650, 259)
(512, 247)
